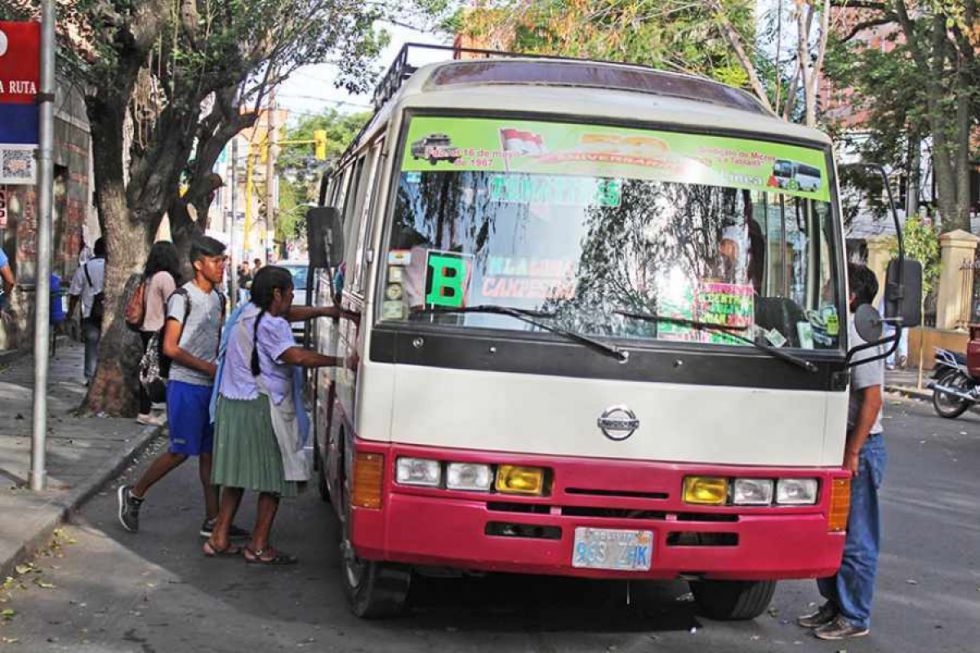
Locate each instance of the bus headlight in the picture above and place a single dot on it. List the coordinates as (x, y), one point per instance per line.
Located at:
(706, 490)
(752, 492)
(796, 491)
(516, 479)
(418, 471)
(468, 476)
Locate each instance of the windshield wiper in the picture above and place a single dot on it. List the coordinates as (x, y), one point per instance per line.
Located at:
(722, 328)
(528, 316)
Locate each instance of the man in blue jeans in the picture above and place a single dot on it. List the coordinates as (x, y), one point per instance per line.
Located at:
(848, 593)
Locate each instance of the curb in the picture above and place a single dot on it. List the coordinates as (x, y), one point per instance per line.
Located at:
(921, 395)
(65, 505)
(911, 393)
(8, 356)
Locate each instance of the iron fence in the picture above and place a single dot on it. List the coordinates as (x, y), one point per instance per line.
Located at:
(970, 289)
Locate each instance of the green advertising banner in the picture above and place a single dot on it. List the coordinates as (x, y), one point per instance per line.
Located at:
(525, 146)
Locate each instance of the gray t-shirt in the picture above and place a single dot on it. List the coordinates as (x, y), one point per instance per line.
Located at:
(863, 376)
(201, 333)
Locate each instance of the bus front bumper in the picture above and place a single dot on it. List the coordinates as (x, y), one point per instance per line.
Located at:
(494, 532)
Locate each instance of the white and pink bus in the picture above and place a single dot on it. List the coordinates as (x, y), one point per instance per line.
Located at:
(596, 338)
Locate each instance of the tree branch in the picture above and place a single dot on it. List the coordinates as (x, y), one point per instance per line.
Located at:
(733, 38)
(867, 24)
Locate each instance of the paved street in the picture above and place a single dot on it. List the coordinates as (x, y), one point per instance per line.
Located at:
(113, 591)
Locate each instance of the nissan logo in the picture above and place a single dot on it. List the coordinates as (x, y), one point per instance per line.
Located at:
(618, 423)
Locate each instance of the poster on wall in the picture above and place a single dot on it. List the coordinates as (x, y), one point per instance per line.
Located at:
(20, 48)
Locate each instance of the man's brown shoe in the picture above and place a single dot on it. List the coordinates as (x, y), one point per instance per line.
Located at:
(824, 615)
(839, 628)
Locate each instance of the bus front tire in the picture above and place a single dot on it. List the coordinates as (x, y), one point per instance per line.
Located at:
(375, 590)
(732, 600)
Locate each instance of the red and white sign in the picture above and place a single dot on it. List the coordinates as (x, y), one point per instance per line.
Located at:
(522, 142)
(20, 68)
(20, 62)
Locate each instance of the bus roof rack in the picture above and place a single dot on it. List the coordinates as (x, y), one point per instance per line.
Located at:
(627, 76)
(645, 79)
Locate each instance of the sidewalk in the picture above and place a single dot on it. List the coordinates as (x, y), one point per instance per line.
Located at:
(83, 453)
(906, 381)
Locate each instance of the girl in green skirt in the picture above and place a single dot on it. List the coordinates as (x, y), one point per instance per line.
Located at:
(261, 426)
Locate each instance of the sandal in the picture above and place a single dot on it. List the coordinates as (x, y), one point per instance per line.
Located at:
(229, 551)
(268, 556)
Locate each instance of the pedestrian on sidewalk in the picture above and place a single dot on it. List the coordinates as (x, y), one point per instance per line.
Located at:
(88, 285)
(260, 421)
(244, 281)
(190, 340)
(160, 274)
(56, 311)
(847, 610)
(6, 287)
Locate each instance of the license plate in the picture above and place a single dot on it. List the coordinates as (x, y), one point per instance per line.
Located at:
(618, 550)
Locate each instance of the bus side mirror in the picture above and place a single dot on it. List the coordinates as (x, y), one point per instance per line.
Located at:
(903, 292)
(324, 237)
(867, 322)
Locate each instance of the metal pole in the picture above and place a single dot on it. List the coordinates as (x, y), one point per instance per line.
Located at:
(233, 260)
(42, 295)
(270, 176)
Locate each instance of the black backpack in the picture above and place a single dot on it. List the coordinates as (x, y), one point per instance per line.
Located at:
(98, 301)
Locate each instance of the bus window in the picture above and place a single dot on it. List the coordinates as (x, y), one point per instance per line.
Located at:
(369, 192)
(581, 233)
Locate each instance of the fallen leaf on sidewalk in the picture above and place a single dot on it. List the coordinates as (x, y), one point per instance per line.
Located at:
(912, 581)
(43, 584)
(7, 613)
(9, 640)
(24, 568)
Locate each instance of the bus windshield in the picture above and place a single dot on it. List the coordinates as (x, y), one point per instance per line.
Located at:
(582, 222)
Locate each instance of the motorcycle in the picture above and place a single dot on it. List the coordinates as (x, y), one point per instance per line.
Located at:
(956, 384)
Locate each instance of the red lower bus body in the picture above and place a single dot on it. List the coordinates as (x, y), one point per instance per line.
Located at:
(444, 528)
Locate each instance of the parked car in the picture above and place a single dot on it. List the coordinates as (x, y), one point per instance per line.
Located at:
(300, 271)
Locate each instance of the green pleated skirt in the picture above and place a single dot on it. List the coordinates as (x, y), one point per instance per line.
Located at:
(246, 452)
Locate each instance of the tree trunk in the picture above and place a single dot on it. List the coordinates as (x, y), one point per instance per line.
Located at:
(804, 15)
(962, 153)
(113, 390)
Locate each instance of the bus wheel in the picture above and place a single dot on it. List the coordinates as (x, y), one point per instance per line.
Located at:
(375, 590)
(733, 600)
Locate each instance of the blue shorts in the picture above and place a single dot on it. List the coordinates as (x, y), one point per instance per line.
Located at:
(189, 418)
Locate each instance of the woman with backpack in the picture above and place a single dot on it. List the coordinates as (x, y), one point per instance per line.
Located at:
(160, 276)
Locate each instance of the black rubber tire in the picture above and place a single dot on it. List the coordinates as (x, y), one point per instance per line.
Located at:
(381, 592)
(732, 600)
(944, 411)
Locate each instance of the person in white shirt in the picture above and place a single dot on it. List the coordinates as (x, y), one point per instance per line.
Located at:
(87, 287)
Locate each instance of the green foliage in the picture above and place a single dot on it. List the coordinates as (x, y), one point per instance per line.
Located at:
(920, 83)
(921, 240)
(891, 89)
(669, 34)
(300, 172)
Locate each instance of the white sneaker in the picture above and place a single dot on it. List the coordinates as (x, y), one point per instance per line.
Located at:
(151, 420)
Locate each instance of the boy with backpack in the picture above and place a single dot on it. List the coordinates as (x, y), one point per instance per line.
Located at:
(191, 336)
(88, 286)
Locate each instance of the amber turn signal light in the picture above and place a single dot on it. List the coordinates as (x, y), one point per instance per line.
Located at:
(840, 504)
(368, 480)
(706, 490)
(515, 479)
